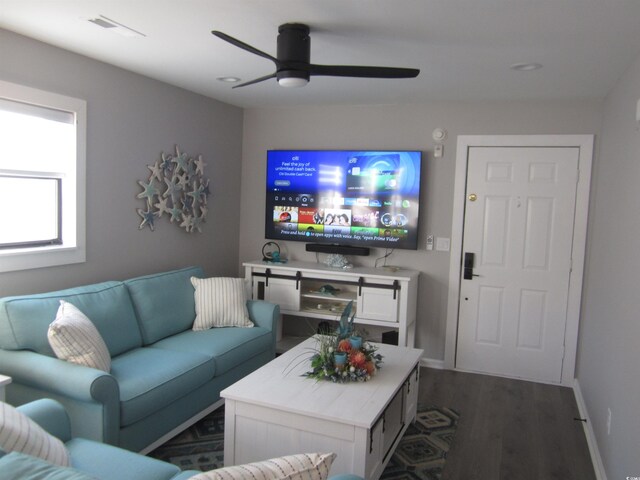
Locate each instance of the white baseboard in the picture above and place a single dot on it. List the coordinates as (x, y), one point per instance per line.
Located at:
(432, 363)
(590, 434)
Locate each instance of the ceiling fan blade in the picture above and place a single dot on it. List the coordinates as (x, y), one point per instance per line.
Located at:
(244, 46)
(255, 80)
(362, 71)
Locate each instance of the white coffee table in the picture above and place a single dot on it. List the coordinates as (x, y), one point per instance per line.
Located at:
(275, 411)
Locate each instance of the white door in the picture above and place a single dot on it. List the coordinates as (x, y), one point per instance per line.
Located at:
(518, 225)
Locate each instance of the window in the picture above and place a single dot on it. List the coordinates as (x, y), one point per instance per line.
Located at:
(42, 178)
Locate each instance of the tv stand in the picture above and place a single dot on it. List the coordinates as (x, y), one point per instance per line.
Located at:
(381, 298)
(335, 248)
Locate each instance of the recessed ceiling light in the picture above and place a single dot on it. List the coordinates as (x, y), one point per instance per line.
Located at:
(525, 67)
(115, 27)
(228, 79)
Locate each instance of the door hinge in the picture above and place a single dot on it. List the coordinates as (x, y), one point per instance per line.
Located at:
(578, 176)
(563, 350)
(571, 265)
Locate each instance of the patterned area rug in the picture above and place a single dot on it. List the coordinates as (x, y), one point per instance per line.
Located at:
(424, 446)
(421, 453)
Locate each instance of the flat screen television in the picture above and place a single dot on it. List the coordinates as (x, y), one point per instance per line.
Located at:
(345, 197)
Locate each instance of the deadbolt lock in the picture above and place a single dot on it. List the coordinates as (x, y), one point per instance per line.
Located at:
(472, 197)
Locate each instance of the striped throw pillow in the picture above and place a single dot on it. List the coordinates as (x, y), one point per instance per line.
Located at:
(18, 433)
(220, 302)
(306, 466)
(74, 338)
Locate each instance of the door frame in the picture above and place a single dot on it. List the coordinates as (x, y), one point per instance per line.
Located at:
(585, 145)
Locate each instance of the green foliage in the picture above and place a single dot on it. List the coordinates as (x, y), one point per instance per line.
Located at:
(323, 366)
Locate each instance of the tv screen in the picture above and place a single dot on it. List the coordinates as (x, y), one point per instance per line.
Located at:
(346, 197)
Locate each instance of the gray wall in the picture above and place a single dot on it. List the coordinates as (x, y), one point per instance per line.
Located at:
(390, 127)
(131, 120)
(609, 352)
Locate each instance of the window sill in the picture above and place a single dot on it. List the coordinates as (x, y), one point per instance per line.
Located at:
(40, 257)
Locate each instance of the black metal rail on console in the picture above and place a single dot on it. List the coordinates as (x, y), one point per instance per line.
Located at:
(395, 286)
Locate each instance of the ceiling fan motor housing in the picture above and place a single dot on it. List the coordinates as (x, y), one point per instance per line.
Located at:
(294, 46)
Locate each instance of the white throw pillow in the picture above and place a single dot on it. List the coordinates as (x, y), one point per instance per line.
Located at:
(18, 433)
(74, 338)
(220, 302)
(305, 466)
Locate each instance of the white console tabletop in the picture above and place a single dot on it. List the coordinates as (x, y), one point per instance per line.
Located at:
(311, 267)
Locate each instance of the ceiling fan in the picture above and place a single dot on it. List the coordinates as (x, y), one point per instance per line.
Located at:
(293, 67)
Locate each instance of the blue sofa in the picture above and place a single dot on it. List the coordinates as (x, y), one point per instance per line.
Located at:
(94, 459)
(164, 376)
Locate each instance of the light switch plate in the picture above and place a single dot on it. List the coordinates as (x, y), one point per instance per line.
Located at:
(443, 244)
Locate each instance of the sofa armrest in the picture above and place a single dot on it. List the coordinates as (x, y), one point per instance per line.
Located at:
(264, 314)
(91, 397)
(50, 415)
(59, 376)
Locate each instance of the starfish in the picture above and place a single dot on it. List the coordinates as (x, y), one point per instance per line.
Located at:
(196, 193)
(187, 222)
(148, 217)
(166, 163)
(206, 192)
(156, 171)
(203, 211)
(149, 190)
(182, 180)
(180, 160)
(173, 188)
(162, 206)
(187, 203)
(191, 169)
(196, 224)
(200, 165)
(175, 213)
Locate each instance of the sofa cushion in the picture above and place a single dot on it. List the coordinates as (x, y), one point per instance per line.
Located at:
(220, 302)
(75, 338)
(228, 346)
(107, 462)
(25, 467)
(164, 302)
(304, 466)
(24, 320)
(151, 378)
(18, 433)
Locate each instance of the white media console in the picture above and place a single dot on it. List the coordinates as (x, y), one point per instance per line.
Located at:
(381, 297)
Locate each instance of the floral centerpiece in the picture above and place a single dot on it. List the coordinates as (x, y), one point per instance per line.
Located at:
(343, 356)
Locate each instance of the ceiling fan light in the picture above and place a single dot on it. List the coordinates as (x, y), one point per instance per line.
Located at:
(292, 82)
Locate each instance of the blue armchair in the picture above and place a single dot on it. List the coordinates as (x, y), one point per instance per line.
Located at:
(99, 460)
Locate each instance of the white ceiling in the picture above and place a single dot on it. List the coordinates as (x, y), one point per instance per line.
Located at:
(462, 47)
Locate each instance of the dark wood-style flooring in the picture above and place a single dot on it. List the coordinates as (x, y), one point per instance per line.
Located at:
(509, 429)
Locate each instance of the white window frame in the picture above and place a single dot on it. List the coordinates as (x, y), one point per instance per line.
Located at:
(73, 248)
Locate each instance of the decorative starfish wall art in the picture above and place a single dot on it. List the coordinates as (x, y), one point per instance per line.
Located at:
(176, 187)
